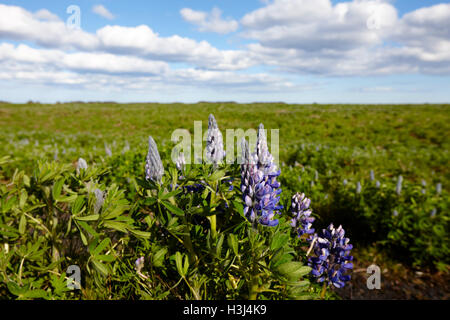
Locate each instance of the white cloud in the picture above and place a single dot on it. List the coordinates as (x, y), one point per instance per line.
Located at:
(103, 12)
(79, 61)
(318, 25)
(360, 37)
(209, 21)
(288, 38)
(143, 41)
(43, 28)
(19, 24)
(52, 66)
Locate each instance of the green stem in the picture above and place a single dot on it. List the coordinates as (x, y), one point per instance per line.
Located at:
(213, 219)
(213, 223)
(253, 289)
(188, 243)
(324, 289)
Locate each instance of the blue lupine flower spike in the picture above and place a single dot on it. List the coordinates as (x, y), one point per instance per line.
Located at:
(331, 259)
(301, 212)
(259, 185)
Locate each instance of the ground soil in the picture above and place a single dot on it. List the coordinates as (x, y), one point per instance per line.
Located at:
(397, 282)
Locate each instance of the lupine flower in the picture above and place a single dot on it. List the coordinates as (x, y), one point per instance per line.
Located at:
(181, 162)
(301, 214)
(395, 213)
(55, 155)
(424, 183)
(372, 175)
(258, 182)
(139, 263)
(108, 151)
(230, 182)
(154, 169)
(344, 182)
(126, 148)
(264, 158)
(98, 200)
(433, 212)
(399, 185)
(358, 187)
(439, 188)
(423, 191)
(214, 142)
(196, 187)
(312, 184)
(377, 184)
(316, 175)
(331, 259)
(81, 164)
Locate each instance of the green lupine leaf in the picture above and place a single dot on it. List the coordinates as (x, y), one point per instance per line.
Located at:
(172, 208)
(293, 270)
(92, 217)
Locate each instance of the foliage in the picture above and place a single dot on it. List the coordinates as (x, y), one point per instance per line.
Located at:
(49, 221)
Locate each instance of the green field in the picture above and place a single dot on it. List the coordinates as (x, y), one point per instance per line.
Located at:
(325, 152)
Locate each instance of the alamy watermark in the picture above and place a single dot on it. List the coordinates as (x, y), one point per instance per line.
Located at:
(74, 20)
(192, 147)
(374, 280)
(73, 277)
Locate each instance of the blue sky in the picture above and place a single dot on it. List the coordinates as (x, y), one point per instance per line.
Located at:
(297, 51)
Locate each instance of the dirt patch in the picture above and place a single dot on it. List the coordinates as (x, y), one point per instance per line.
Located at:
(397, 283)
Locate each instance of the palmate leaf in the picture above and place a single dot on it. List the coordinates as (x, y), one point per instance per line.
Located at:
(292, 270)
(279, 240)
(25, 292)
(8, 231)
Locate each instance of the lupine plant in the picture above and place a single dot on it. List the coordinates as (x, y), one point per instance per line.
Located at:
(180, 231)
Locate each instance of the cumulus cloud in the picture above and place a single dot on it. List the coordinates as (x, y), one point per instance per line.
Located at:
(209, 21)
(360, 37)
(54, 66)
(19, 24)
(103, 12)
(318, 25)
(43, 28)
(287, 38)
(143, 41)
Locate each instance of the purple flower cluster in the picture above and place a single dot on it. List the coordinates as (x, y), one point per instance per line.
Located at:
(302, 219)
(259, 183)
(196, 187)
(331, 259)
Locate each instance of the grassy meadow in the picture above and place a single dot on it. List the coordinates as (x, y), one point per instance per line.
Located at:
(346, 158)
